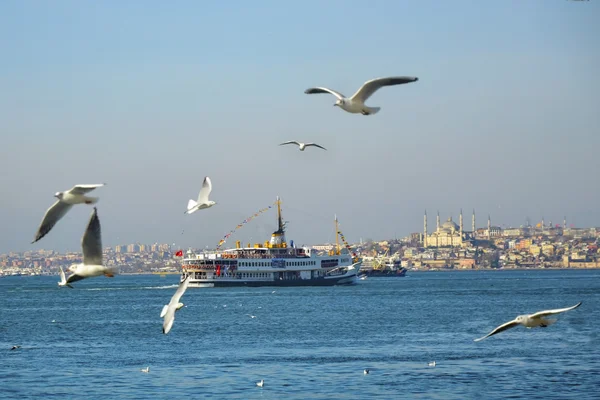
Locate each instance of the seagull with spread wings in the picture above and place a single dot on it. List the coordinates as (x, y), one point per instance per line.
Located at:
(356, 103)
(91, 246)
(530, 321)
(66, 200)
(203, 201)
(302, 146)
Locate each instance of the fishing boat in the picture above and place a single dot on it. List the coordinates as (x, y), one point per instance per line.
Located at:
(272, 263)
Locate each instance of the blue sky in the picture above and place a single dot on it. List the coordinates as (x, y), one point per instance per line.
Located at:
(152, 96)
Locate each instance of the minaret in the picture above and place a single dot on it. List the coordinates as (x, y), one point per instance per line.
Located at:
(473, 223)
(425, 229)
(460, 223)
(489, 227)
(542, 224)
(437, 222)
(565, 223)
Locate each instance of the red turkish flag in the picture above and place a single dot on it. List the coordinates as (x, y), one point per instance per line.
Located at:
(179, 253)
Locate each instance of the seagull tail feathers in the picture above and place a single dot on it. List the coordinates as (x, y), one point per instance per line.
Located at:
(190, 206)
(374, 110)
(164, 311)
(92, 200)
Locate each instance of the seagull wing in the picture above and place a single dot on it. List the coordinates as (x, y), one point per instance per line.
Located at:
(508, 325)
(83, 189)
(179, 292)
(53, 214)
(63, 279)
(205, 191)
(316, 145)
(550, 312)
(317, 90)
(373, 85)
(91, 242)
(74, 278)
(290, 142)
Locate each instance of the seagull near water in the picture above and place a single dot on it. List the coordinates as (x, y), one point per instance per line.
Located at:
(146, 370)
(356, 103)
(530, 321)
(63, 280)
(302, 146)
(260, 383)
(203, 201)
(66, 200)
(91, 246)
(168, 311)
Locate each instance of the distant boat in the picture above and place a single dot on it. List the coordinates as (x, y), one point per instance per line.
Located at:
(391, 267)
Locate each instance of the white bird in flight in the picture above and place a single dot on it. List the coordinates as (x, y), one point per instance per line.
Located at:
(168, 311)
(356, 103)
(146, 370)
(63, 279)
(530, 321)
(91, 246)
(302, 146)
(203, 201)
(66, 200)
(260, 383)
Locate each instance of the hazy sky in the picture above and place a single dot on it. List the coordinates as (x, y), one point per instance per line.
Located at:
(151, 96)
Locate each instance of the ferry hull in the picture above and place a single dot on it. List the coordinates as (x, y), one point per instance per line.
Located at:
(283, 283)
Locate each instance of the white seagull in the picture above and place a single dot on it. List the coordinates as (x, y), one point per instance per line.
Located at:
(203, 201)
(302, 146)
(91, 246)
(431, 364)
(530, 321)
(146, 370)
(63, 279)
(366, 371)
(260, 383)
(356, 103)
(66, 200)
(168, 311)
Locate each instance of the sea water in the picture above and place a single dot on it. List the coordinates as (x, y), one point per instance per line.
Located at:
(91, 342)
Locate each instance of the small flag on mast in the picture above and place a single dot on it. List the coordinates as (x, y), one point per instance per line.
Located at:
(179, 253)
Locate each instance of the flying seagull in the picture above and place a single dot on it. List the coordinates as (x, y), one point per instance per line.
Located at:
(203, 201)
(260, 383)
(146, 370)
(66, 200)
(168, 311)
(91, 245)
(530, 321)
(356, 103)
(302, 146)
(63, 279)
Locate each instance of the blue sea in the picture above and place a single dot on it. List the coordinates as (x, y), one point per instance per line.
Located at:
(91, 342)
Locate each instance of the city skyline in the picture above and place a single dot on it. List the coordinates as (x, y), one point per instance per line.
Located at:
(151, 98)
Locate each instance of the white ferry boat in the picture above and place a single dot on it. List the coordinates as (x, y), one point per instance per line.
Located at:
(271, 264)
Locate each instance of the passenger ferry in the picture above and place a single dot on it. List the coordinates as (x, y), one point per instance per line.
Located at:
(271, 264)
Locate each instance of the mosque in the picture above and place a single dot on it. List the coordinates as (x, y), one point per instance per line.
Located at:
(449, 234)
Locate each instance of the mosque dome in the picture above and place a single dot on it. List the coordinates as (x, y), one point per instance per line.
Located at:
(449, 225)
